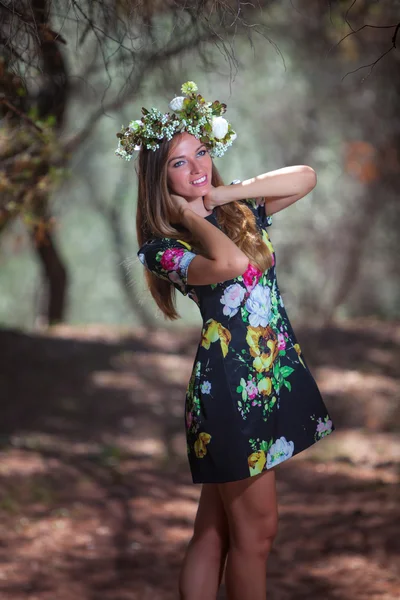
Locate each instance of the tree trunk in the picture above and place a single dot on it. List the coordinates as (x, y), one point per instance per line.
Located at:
(51, 100)
(56, 278)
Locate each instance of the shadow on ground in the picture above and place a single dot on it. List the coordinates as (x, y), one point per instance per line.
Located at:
(96, 499)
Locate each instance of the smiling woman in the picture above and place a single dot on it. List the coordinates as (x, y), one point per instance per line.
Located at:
(251, 402)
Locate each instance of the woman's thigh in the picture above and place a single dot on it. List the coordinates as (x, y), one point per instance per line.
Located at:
(251, 508)
(211, 524)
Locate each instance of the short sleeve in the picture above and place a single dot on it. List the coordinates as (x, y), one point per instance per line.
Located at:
(258, 208)
(168, 259)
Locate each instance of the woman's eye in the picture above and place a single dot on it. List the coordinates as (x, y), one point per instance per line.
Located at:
(180, 162)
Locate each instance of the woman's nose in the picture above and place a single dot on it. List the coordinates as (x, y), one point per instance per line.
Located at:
(195, 167)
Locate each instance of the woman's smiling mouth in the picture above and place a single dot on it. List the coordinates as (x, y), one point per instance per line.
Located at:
(200, 181)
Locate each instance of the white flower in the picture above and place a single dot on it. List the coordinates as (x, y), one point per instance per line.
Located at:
(279, 451)
(232, 299)
(176, 103)
(205, 387)
(259, 306)
(219, 127)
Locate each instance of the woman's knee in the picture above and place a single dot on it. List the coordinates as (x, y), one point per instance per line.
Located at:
(211, 542)
(254, 536)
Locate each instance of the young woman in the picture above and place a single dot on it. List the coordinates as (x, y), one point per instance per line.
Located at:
(251, 402)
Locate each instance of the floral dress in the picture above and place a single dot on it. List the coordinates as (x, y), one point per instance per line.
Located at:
(251, 401)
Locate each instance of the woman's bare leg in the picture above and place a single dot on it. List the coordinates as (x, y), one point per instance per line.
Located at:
(204, 561)
(251, 509)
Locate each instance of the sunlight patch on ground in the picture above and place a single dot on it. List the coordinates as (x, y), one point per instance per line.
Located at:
(359, 446)
(354, 570)
(374, 396)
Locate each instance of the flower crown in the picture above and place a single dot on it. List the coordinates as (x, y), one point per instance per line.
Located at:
(191, 113)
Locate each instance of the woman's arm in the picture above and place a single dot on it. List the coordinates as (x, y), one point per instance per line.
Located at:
(219, 246)
(225, 261)
(280, 188)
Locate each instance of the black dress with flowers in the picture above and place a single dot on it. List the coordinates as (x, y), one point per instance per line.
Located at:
(251, 401)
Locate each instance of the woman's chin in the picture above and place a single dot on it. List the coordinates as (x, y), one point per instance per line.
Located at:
(201, 190)
(197, 194)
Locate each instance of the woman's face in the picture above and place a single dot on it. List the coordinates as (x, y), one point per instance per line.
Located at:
(189, 167)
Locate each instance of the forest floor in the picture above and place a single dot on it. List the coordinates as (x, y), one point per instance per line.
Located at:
(96, 498)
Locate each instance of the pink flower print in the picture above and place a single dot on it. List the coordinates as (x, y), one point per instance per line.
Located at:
(192, 294)
(232, 298)
(189, 419)
(281, 341)
(251, 276)
(251, 389)
(324, 426)
(171, 258)
(174, 277)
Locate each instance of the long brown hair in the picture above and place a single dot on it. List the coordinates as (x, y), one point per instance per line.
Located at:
(153, 207)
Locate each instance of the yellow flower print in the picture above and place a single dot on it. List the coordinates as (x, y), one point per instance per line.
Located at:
(210, 333)
(204, 437)
(263, 347)
(256, 462)
(188, 246)
(200, 444)
(265, 386)
(298, 350)
(267, 241)
(213, 332)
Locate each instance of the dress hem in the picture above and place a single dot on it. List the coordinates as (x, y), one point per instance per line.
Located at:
(198, 481)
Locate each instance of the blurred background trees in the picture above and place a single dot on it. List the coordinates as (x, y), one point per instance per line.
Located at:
(95, 493)
(307, 84)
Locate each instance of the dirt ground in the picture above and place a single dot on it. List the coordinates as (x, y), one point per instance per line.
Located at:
(96, 499)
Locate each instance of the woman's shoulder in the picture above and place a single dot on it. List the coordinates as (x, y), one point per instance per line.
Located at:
(169, 259)
(162, 243)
